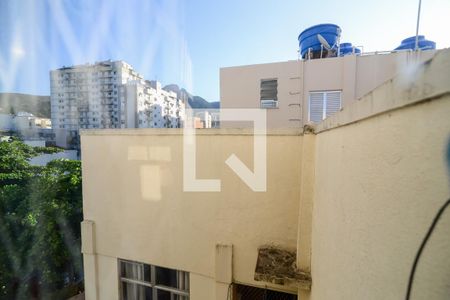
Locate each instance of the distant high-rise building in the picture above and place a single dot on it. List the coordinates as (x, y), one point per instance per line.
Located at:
(153, 107)
(108, 94)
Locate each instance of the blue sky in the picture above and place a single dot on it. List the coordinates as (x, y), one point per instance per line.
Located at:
(187, 41)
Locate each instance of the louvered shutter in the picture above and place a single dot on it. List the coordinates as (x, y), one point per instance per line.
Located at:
(269, 89)
(333, 100)
(316, 107)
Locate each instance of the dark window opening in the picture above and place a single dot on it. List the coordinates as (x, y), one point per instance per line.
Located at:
(269, 93)
(141, 281)
(244, 292)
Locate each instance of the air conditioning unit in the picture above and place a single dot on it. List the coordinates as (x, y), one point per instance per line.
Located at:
(269, 104)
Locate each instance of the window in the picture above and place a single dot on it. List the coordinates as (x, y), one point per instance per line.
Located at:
(323, 105)
(140, 281)
(248, 292)
(269, 93)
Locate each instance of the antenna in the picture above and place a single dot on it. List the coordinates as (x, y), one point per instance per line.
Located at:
(417, 27)
(323, 41)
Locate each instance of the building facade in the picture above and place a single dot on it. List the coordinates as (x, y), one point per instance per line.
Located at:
(23, 121)
(108, 94)
(298, 92)
(202, 118)
(344, 211)
(154, 107)
(26, 126)
(6, 122)
(27, 121)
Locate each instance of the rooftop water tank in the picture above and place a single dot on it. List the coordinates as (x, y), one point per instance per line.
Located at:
(410, 44)
(347, 49)
(309, 40)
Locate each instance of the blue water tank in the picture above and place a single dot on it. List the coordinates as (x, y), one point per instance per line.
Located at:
(308, 38)
(347, 49)
(410, 44)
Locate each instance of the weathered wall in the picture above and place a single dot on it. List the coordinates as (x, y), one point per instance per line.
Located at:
(378, 184)
(353, 75)
(373, 176)
(133, 192)
(240, 88)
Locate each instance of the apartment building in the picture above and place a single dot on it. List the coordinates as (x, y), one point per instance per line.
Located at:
(299, 92)
(6, 122)
(346, 204)
(27, 121)
(202, 118)
(23, 121)
(108, 94)
(154, 107)
(27, 126)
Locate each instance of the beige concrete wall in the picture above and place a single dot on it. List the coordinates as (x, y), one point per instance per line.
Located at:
(373, 177)
(107, 272)
(304, 232)
(240, 88)
(133, 192)
(378, 184)
(374, 70)
(202, 287)
(354, 75)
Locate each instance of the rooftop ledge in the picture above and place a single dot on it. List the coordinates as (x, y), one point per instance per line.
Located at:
(180, 131)
(428, 81)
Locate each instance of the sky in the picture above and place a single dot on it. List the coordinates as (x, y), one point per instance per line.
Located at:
(186, 42)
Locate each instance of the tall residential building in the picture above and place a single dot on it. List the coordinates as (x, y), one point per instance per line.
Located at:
(154, 107)
(108, 94)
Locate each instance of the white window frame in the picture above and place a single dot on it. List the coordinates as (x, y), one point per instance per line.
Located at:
(152, 283)
(324, 103)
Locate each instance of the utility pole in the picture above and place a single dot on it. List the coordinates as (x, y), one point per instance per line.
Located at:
(417, 27)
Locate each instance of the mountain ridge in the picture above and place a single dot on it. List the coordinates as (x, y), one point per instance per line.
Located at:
(39, 105)
(193, 100)
(35, 104)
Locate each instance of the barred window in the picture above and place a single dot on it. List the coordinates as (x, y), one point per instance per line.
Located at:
(244, 292)
(139, 281)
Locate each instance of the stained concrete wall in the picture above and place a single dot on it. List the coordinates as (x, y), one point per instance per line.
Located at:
(133, 193)
(240, 88)
(355, 199)
(381, 174)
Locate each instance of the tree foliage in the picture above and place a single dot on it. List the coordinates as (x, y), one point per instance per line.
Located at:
(40, 215)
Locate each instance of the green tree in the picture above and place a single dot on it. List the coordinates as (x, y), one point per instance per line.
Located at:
(40, 215)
